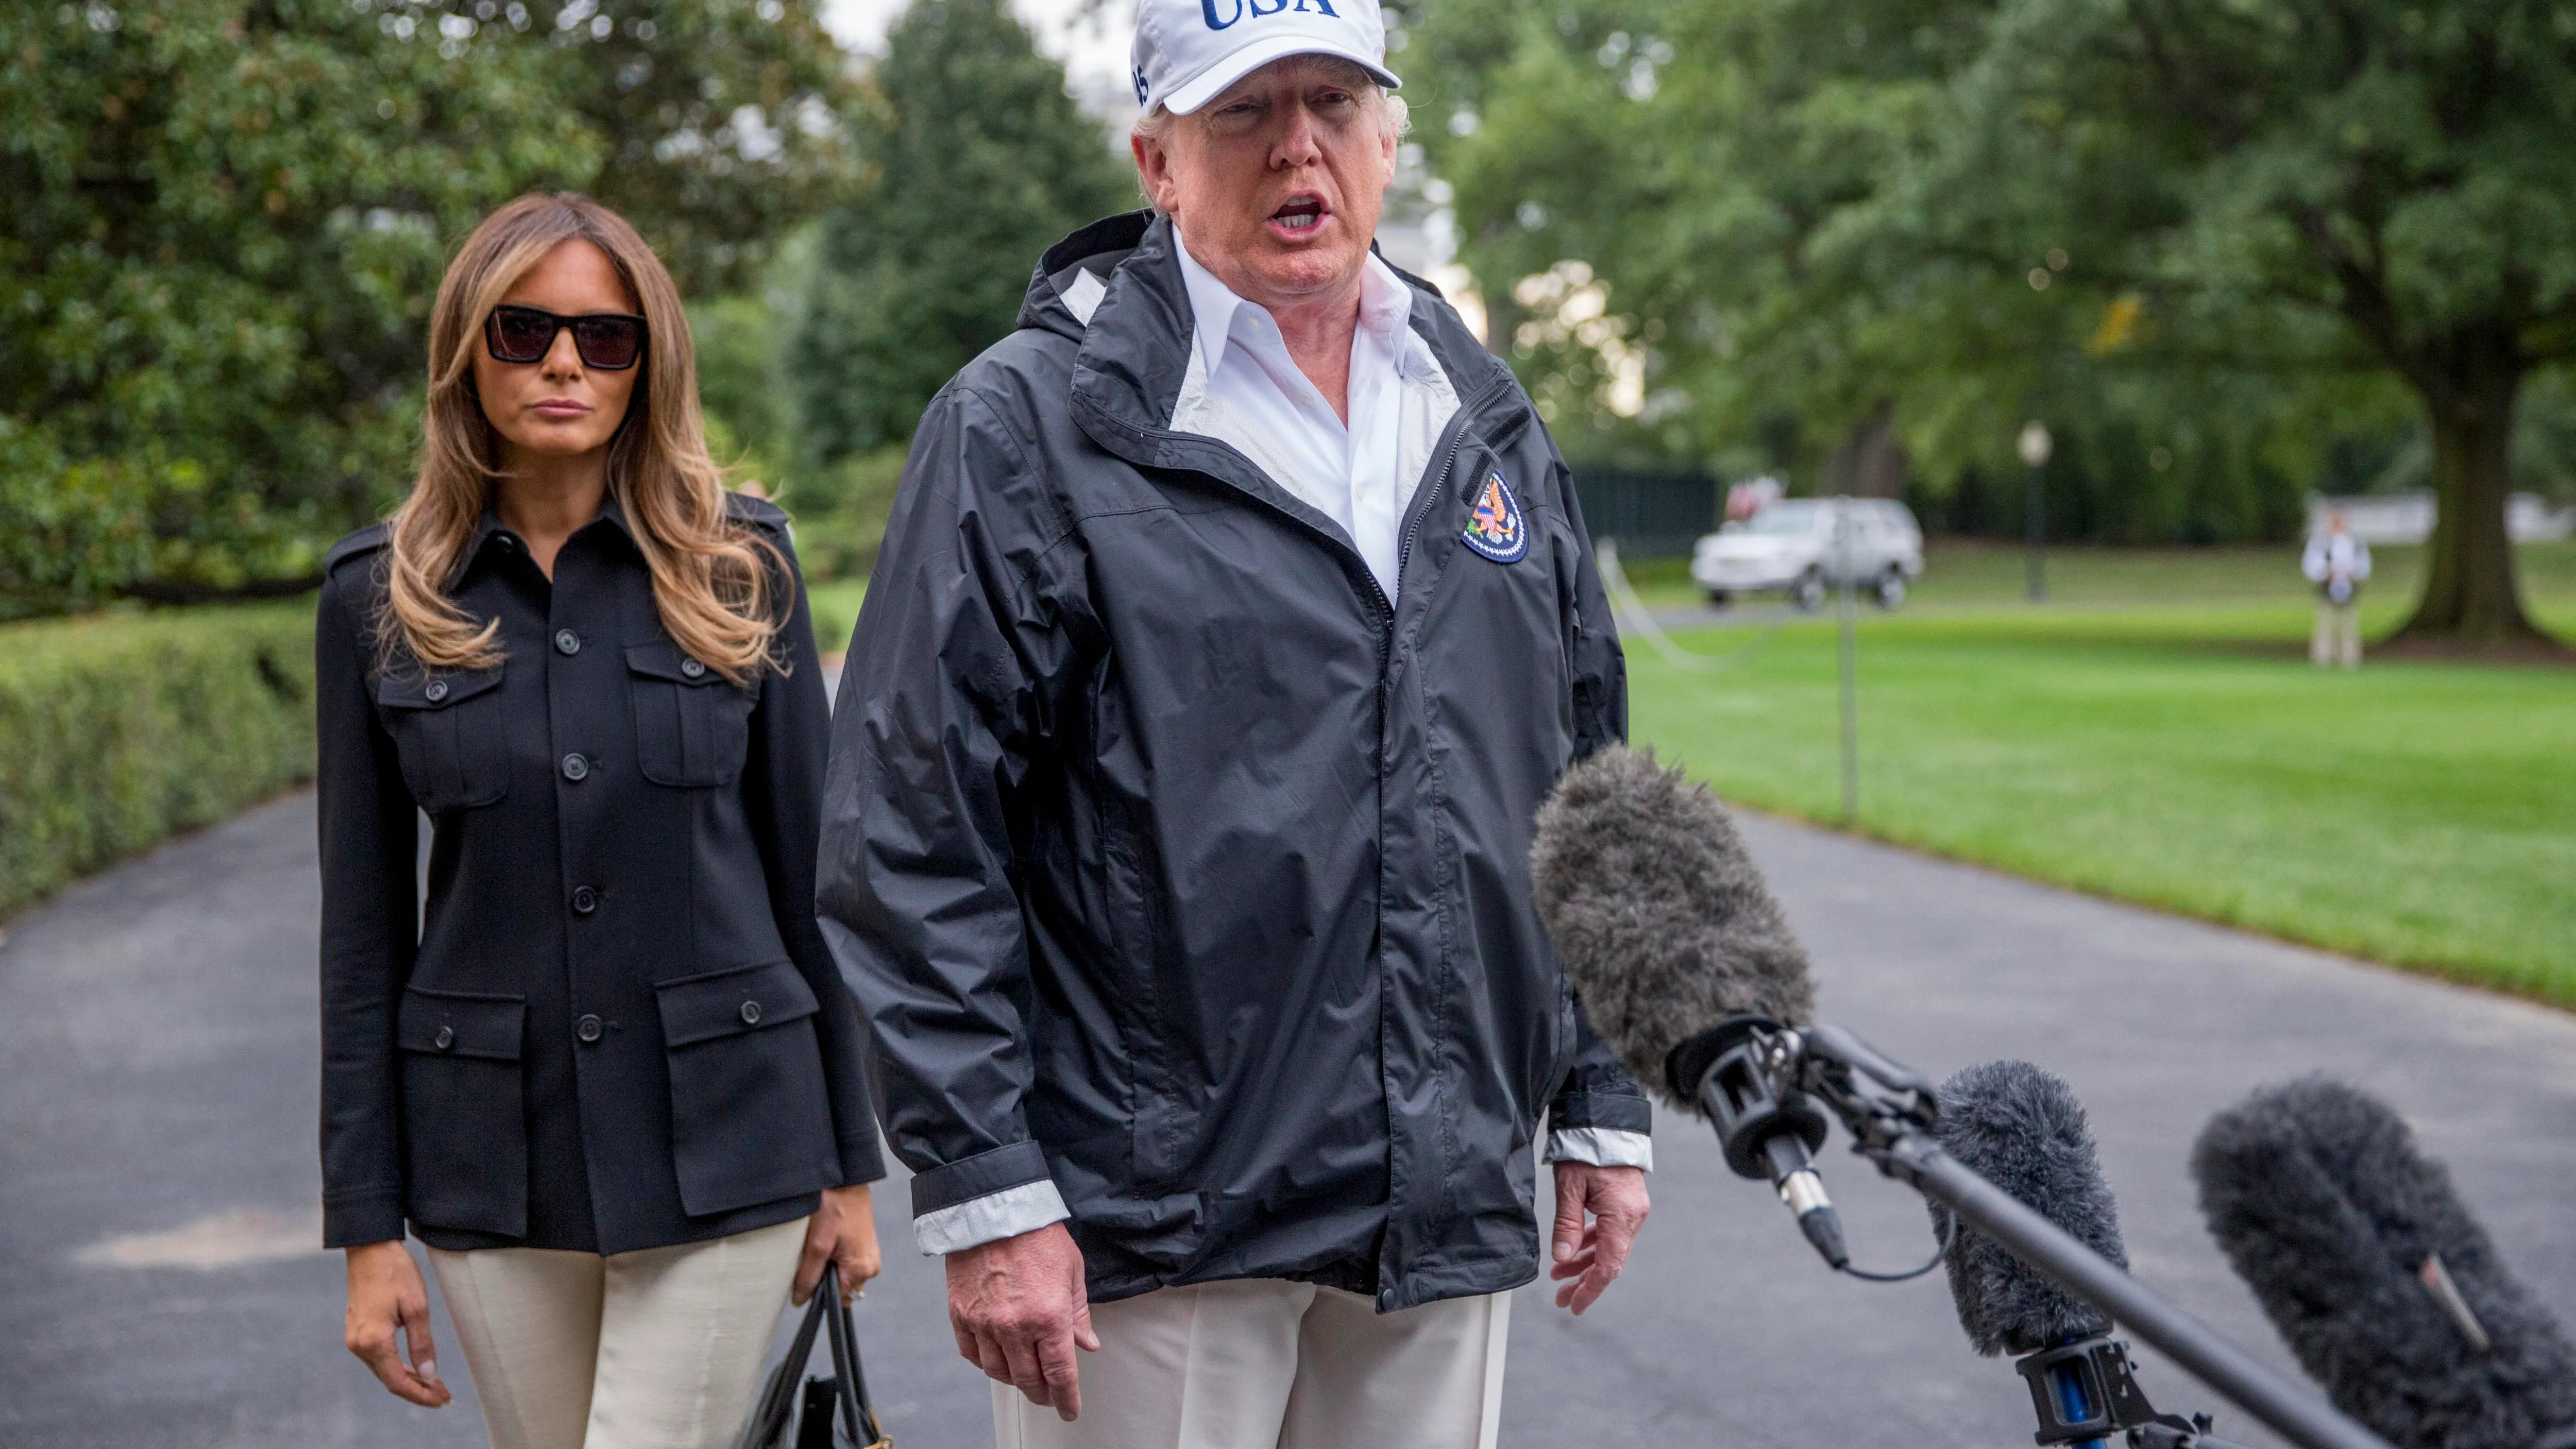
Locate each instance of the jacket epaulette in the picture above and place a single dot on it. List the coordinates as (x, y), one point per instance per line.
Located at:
(365, 541)
(758, 512)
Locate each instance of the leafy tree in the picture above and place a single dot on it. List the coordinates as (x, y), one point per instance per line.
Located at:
(2407, 171)
(1690, 213)
(979, 160)
(2207, 226)
(228, 218)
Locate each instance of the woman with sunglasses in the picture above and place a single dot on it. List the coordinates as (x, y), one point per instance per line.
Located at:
(610, 1076)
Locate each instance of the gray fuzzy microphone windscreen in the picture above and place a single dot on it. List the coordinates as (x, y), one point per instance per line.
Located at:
(1663, 921)
(2023, 1130)
(2364, 1258)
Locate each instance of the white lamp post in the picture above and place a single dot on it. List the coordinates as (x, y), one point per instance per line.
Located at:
(2034, 445)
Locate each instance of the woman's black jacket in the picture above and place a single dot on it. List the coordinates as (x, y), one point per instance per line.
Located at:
(616, 1025)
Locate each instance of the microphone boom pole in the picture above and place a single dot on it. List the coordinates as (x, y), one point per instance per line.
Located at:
(1889, 1129)
(2292, 1412)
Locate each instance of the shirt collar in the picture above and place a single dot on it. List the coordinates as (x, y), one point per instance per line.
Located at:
(489, 526)
(1386, 304)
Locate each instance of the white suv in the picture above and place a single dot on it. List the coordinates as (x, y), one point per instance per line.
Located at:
(1791, 545)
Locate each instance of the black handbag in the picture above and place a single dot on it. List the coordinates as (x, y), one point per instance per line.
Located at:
(827, 1413)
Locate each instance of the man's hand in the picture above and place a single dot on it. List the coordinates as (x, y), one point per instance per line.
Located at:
(843, 1230)
(1593, 1254)
(386, 1296)
(1018, 1309)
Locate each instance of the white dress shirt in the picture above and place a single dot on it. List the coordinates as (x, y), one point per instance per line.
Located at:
(1249, 392)
(2339, 561)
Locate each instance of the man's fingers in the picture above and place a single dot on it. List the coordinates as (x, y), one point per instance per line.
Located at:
(1597, 1254)
(1023, 1356)
(1617, 1234)
(1609, 1242)
(1569, 1215)
(1574, 1267)
(1082, 1333)
(990, 1357)
(1582, 1292)
(1063, 1379)
(1585, 1244)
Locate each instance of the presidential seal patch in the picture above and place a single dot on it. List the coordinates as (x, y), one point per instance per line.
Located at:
(1496, 527)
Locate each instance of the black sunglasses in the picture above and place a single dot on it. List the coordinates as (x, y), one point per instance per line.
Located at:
(609, 341)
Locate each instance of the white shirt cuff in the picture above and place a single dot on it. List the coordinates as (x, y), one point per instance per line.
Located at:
(1600, 1146)
(990, 1218)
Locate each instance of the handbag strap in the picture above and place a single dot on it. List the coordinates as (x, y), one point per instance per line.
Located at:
(856, 1410)
(778, 1403)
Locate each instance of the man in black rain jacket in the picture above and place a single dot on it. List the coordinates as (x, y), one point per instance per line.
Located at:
(1181, 867)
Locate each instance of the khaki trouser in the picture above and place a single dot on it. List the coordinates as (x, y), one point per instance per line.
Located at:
(2338, 636)
(657, 1349)
(1265, 1364)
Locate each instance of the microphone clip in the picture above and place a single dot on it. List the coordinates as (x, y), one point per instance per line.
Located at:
(2086, 1391)
(1742, 1072)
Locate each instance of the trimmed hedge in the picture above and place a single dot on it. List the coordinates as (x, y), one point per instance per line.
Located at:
(120, 730)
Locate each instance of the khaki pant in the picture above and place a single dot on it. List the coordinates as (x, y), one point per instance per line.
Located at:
(658, 1349)
(1266, 1364)
(2338, 636)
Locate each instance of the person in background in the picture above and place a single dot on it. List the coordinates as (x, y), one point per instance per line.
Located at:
(2337, 563)
(1234, 619)
(610, 1077)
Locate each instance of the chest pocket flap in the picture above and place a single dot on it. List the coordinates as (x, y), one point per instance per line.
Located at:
(692, 725)
(450, 735)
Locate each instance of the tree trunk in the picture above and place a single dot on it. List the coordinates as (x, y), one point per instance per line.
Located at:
(2470, 597)
(1869, 462)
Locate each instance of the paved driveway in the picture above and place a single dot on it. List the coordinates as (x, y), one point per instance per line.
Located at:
(160, 1285)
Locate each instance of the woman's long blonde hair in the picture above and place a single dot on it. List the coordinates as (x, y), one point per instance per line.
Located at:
(711, 574)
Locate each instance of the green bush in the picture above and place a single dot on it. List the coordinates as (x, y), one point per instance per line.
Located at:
(119, 730)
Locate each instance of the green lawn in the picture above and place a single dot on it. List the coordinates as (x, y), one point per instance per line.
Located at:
(2184, 755)
(2156, 734)
(1967, 574)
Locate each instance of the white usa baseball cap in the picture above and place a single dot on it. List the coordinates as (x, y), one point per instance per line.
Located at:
(1187, 51)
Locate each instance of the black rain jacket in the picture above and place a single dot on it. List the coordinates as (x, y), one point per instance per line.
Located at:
(1173, 861)
(616, 1025)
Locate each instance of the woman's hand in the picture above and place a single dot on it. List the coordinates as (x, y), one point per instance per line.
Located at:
(386, 1294)
(844, 1231)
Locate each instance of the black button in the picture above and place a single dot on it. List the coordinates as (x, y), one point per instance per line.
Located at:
(751, 1013)
(446, 1038)
(575, 767)
(437, 690)
(584, 899)
(587, 1028)
(567, 642)
(692, 668)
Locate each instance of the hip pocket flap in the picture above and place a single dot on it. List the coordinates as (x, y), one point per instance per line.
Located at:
(459, 1025)
(723, 1003)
